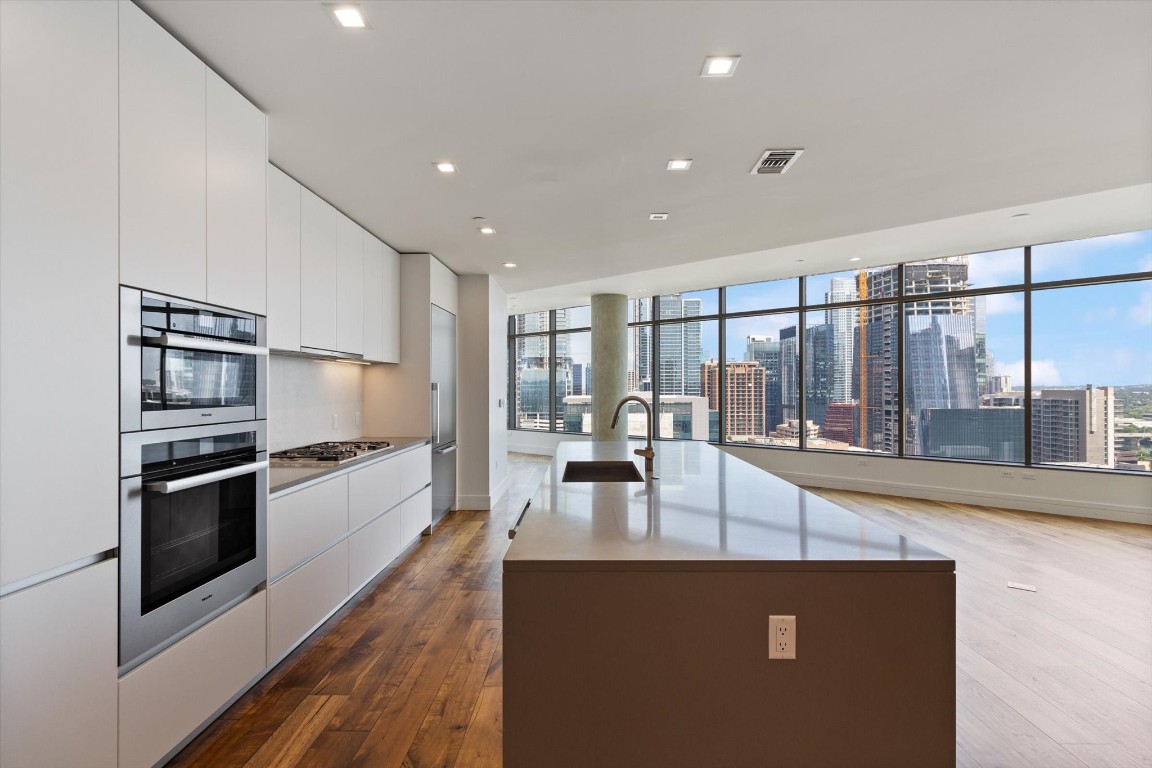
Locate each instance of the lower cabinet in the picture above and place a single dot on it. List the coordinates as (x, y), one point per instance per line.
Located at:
(304, 523)
(168, 697)
(372, 547)
(415, 515)
(300, 601)
(58, 672)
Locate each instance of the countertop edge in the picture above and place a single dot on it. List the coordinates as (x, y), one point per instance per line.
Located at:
(322, 474)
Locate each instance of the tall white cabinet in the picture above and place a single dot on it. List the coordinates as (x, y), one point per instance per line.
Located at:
(349, 286)
(317, 273)
(192, 174)
(283, 260)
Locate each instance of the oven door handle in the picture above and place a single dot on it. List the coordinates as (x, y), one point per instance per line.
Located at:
(206, 345)
(184, 483)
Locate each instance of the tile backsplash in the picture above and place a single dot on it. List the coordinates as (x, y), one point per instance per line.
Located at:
(303, 397)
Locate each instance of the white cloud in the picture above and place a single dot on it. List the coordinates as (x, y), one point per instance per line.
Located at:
(1004, 304)
(1105, 315)
(1062, 257)
(1044, 373)
(1141, 314)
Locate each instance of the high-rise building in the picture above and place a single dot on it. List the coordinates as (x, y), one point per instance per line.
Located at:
(939, 371)
(983, 434)
(680, 348)
(998, 384)
(819, 371)
(840, 422)
(582, 378)
(1074, 426)
(641, 362)
(843, 324)
(743, 416)
(763, 350)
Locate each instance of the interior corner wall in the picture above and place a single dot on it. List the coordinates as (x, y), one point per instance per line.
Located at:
(482, 356)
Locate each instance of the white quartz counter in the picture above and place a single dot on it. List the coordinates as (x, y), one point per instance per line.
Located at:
(707, 511)
(283, 479)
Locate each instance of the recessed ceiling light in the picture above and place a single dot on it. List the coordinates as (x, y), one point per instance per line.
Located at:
(446, 167)
(486, 230)
(657, 217)
(641, 290)
(510, 265)
(679, 165)
(854, 258)
(719, 66)
(348, 15)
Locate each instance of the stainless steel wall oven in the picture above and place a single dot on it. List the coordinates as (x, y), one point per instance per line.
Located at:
(184, 363)
(193, 512)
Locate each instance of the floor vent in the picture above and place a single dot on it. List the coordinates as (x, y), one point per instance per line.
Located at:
(776, 160)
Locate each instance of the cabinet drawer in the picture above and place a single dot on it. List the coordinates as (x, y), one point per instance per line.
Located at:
(373, 490)
(168, 697)
(303, 523)
(417, 470)
(373, 547)
(415, 516)
(299, 601)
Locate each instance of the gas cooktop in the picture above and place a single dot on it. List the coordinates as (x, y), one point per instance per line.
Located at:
(327, 454)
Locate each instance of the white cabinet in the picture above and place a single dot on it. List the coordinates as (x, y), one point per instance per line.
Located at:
(58, 266)
(417, 470)
(163, 178)
(373, 490)
(169, 696)
(317, 272)
(372, 547)
(58, 669)
(304, 523)
(381, 302)
(373, 298)
(415, 516)
(283, 260)
(300, 601)
(237, 199)
(349, 286)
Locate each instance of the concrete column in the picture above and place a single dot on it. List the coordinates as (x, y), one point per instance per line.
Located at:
(609, 363)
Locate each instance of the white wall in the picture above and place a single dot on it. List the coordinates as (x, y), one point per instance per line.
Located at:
(482, 357)
(303, 395)
(1121, 496)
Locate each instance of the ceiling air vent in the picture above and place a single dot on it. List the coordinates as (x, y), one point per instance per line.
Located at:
(776, 160)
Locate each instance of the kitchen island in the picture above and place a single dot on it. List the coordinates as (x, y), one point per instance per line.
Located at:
(636, 621)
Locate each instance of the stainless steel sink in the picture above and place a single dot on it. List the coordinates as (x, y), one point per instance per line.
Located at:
(601, 472)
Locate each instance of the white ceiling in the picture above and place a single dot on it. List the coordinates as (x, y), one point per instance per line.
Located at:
(562, 116)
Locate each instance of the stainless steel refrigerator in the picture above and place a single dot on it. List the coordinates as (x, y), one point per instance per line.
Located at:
(443, 359)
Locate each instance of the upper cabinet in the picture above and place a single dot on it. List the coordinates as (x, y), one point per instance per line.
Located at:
(332, 286)
(349, 286)
(283, 260)
(237, 199)
(317, 273)
(163, 151)
(192, 179)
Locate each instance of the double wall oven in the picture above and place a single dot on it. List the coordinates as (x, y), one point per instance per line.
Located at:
(193, 466)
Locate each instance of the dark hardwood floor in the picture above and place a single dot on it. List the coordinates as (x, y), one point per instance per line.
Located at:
(408, 674)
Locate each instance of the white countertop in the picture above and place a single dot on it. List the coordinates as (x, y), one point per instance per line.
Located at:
(707, 511)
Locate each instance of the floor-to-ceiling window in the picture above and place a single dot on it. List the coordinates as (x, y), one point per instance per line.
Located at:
(1037, 355)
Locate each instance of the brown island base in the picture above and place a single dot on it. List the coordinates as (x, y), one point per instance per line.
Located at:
(636, 625)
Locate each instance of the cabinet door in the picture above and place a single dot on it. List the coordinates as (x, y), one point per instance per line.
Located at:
(415, 516)
(167, 697)
(163, 179)
(237, 199)
(303, 523)
(372, 547)
(349, 285)
(58, 250)
(283, 260)
(317, 272)
(373, 298)
(58, 671)
(301, 600)
(417, 471)
(391, 295)
(373, 490)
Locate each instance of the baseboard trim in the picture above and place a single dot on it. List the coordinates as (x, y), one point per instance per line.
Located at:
(1096, 510)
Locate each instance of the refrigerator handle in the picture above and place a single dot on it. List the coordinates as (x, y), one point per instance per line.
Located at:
(435, 413)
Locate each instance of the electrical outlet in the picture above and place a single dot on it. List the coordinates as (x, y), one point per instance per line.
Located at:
(862, 462)
(1028, 475)
(1007, 473)
(357, 418)
(335, 421)
(782, 631)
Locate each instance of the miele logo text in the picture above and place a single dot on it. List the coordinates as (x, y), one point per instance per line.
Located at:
(206, 414)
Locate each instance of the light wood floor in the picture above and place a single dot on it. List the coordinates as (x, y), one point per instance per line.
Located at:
(408, 674)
